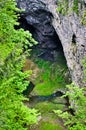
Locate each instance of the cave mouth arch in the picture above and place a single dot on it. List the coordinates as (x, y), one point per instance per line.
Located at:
(49, 45)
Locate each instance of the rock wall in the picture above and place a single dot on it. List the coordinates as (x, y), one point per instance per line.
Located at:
(69, 29)
(38, 19)
(73, 38)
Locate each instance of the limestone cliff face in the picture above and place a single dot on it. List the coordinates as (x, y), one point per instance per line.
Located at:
(73, 38)
(69, 29)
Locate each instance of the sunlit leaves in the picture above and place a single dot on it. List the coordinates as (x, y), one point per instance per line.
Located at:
(78, 103)
(13, 50)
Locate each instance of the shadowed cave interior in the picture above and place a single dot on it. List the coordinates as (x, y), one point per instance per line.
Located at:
(49, 45)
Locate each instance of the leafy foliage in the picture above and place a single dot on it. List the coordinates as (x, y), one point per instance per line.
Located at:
(83, 20)
(64, 8)
(14, 114)
(75, 6)
(78, 100)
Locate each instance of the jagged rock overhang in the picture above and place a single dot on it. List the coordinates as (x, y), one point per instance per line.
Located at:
(38, 20)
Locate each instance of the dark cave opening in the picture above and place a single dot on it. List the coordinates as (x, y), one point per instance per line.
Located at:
(23, 24)
(49, 45)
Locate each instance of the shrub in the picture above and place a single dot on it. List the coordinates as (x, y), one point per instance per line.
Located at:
(14, 115)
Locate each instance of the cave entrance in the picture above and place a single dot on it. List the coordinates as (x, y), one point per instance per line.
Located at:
(49, 45)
